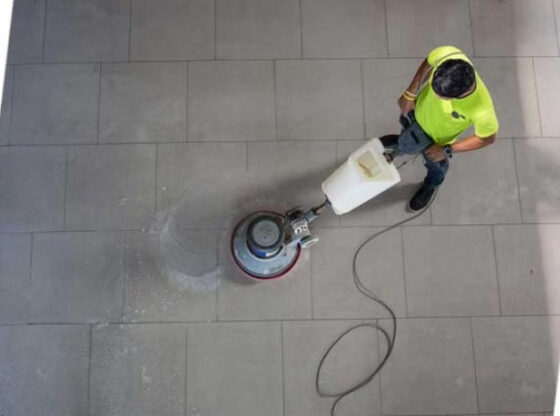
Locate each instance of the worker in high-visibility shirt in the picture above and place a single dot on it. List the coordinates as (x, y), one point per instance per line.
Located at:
(433, 117)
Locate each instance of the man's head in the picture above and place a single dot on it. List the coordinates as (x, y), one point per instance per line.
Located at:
(453, 78)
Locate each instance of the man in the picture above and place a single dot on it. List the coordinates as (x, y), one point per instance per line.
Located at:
(434, 117)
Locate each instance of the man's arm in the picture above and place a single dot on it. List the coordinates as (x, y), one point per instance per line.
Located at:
(435, 152)
(419, 78)
(472, 143)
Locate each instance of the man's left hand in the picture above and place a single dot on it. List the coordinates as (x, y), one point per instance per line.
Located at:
(435, 153)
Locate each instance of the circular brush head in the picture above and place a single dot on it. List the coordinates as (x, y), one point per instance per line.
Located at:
(258, 249)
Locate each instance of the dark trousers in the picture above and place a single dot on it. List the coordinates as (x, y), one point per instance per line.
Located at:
(412, 141)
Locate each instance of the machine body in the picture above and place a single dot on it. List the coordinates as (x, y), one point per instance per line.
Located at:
(266, 245)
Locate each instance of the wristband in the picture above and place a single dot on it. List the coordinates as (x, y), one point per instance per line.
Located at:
(408, 98)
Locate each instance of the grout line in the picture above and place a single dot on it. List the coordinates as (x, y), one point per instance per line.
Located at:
(182, 141)
(65, 196)
(301, 28)
(337, 162)
(471, 27)
(404, 272)
(164, 141)
(230, 321)
(311, 295)
(283, 371)
(187, 103)
(163, 61)
(386, 28)
(44, 31)
(361, 226)
(274, 76)
(30, 280)
(325, 227)
(215, 29)
(186, 396)
(218, 264)
(555, 25)
(99, 104)
(124, 241)
(537, 95)
(156, 185)
(380, 372)
(363, 88)
(497, 271)
(518, 183)
(89, 368)
(101, 230)
(129, 29)
(474, 367)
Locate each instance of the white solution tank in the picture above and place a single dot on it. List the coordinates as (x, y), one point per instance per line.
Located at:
(364, 175)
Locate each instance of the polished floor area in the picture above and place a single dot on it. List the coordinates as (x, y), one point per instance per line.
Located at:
(127, 124)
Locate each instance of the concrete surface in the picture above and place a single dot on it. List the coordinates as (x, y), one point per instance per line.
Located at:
(134, 133)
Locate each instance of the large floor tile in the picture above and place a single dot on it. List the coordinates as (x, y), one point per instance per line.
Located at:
(143, 102)
(384, 81)
(172, 29)
(511, 82)
(293, 172)
(6, 112)
(343, 29)
(528, 268)
(231, 101)
(431, 371)
(516, 363)
(121, 195)
(234, 369)
(161, 280)
(391, 206)
(203, 184)
(379, 266)
(44, 370)
(537, 165)
(350, 362)
(32, 188)
(450, 271)
(548, 89)
(416, 27)
(76, 277)
(15, 257)
(239, 298)
(480, 188)
(87, 30)
(138, 370)
(55, 104)
(319, 100)
(513, 28)
(258, 29)
(26, 37)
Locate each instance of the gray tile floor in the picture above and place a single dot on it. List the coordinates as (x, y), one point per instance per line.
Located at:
(128, 122)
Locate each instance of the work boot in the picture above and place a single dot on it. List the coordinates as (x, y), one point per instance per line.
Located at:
(422, 198)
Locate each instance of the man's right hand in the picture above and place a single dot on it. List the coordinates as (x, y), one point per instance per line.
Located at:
(405, 105)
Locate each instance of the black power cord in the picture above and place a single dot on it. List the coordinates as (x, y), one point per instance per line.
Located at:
(389, 337)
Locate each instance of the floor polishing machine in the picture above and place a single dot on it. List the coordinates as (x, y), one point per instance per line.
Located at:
(267, 245)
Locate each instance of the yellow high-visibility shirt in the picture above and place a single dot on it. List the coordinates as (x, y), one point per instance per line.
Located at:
(445, 119)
